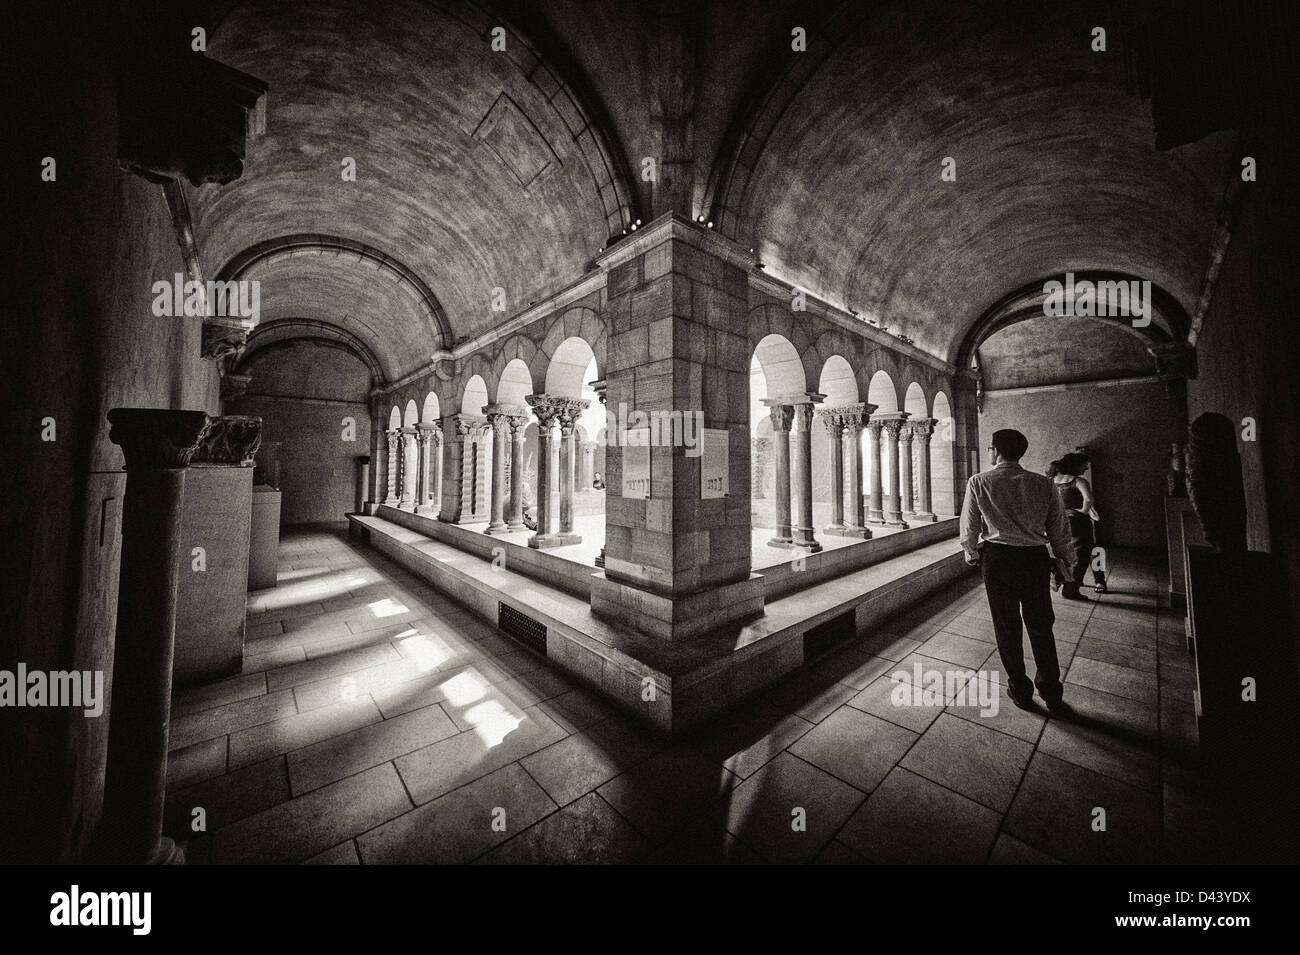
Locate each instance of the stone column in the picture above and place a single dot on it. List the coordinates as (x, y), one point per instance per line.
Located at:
(781, 417)
(391, 479)
(801, 529)
(572, 410)
(923, 430)
(588, 470)
(158, 445)
(459, 430)
(893, 424)
(762, 447)
(421, 446)
(547, 410)
(599, 387)
(875, 512)
(499, 420)
(436, 452)
(515, 516)
(833, 422)
(905, 462)
(408, 468)
(428, 436)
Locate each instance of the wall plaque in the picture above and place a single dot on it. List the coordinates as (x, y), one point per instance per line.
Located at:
(636, 463)
(716, 443)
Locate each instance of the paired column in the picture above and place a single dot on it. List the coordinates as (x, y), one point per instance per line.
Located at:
(599, 386)
(499, 418)
(408, 468)
(158, 445)
(555, 411)
(833, 422)
(781, 416)
(893, 425)
(429, 437)
(391, 479)
(844, 430)
(922, 431)
(515, 517)
(875, 512)
(905, 461)
(459, 459)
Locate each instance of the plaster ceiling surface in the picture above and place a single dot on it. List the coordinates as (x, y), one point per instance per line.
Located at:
(469, 176)
(465, 173)
(1055, 169)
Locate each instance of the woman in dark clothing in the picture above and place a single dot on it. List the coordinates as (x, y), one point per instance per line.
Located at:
(1075, 494)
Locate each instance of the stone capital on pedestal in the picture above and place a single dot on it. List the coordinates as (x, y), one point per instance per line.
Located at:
(430, 431)
(781, 415)
(231, 440)
(891, 422)
(922, 428)
(156, 439)
(557, 409)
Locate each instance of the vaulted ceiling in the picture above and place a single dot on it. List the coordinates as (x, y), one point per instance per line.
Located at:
(478, 170)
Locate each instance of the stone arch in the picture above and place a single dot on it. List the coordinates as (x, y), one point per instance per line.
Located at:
(431, 411)
(524, 349)
(568, 367)
(914, 402)
(395, 418)
(780, 366)
(943, 448)
(516, 383)
(579, 322)
(477, 365)
(838, 382)
(411, 416)
(769, 319)
(882, 392)
(474, 396)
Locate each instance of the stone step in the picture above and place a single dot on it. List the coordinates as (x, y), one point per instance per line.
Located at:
(670, 686)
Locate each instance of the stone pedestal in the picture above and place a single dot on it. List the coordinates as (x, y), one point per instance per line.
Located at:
(555, 413)
(362, 483)
(782, 416)
(678, 565)
(264, 538)
(158, 445)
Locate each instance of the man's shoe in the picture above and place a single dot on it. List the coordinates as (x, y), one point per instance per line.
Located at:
(1025, 702)
(1101, 587)
(1058, 707)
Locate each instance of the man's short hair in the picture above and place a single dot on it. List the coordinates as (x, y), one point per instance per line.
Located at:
(1010, 443)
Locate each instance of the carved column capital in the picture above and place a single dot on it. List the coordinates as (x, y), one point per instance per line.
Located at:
(832, 420)
(234, 386)
(780, 415)
(923, 428)
(430, 432)
(557, 409)
(156, 439)
(230, 439)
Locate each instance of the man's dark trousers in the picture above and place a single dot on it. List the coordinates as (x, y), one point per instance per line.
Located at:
(1016, 580)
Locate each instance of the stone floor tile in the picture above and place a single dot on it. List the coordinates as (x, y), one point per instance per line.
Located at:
(338, 756)
(855, 746)
(303, 827)
(1110, 678)
(878, 699)
(227, 799)
(764, 810)
(971, 759)
(660, 795)
(196, 763)
(912, 820)
(955, 649)
(231, 717)
(216, 694)
(1054, 812)
(459, 826)
(257, 743)
(586, 831)
(501, 738)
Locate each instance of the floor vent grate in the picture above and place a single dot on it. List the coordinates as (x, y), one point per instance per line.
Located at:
(826, 636)
(522, 627)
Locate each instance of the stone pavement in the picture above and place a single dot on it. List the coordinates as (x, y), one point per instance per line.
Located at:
(377, 721)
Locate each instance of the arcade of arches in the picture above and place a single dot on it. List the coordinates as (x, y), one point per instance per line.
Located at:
(623, 384)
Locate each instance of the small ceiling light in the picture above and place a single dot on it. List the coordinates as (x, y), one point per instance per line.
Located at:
(699, 219)
(638, 221)
(633, 226)
(710, 224)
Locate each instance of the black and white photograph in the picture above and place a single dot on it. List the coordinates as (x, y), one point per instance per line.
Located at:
(652, 433)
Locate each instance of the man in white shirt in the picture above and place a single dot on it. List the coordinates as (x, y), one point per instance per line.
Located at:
(1008, 518)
